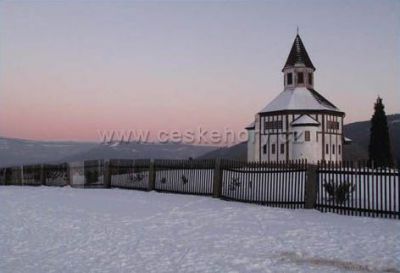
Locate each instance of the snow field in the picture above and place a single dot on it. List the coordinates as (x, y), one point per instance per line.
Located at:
(48, 229)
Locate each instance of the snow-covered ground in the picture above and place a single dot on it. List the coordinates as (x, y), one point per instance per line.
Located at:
(44, 229)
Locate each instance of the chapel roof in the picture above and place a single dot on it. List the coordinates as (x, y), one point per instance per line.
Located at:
(298, 55)
(299, 98)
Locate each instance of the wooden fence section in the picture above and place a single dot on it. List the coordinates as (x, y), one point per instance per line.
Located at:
(355, 188)
(35, 175)
(86, 174)
(56, 175)
(130, 174)
(32, 175)
(94, 173)
(350, 188)
(184, 176)
(273, 184)
(10, 176)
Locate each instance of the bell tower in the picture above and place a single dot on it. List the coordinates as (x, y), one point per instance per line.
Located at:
(299, 123)
(298, 70)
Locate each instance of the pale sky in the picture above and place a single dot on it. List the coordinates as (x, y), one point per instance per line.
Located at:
(71, 68)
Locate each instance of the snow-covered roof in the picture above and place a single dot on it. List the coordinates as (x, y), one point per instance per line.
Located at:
(347, 140)
(305, 120)
(298, 54)
(300, 98)
(251, 125)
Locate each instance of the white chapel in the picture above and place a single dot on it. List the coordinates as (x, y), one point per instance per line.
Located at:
(299, 123)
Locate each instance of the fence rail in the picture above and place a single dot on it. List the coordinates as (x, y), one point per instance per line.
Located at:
(349, 188)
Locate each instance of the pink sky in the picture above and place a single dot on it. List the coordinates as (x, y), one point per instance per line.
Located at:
(68, 70)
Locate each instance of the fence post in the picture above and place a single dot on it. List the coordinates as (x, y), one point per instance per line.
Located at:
(311, 186)
(42, 177)
(68, 178)
(152, 176)
(69, 174)
(107, 174)
(21, 175)
(80, 180)
(217, 185)
(2, 176)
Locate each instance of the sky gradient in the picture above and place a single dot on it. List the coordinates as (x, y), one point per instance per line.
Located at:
(69, 68)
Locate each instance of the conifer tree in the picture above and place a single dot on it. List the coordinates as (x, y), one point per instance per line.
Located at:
(379, 144)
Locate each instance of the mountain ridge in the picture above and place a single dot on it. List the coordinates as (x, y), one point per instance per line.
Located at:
(15, 152)
(22, 151)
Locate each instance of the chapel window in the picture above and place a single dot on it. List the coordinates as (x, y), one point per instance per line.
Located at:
(300, 77)
(307, 136)
(289, 78)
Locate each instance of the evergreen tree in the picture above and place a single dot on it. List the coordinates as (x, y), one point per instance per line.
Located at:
(379, 144)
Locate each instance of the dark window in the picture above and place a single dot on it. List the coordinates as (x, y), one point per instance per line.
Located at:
(265, 148)
(339, 149)
(273, 149)
(300, 77)
(333, 125)
(295, 136)
(307, 136)
(333, 148)
(310, 78)
(274, 124)
(327, 148)
(289, 78)
(282, 148)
